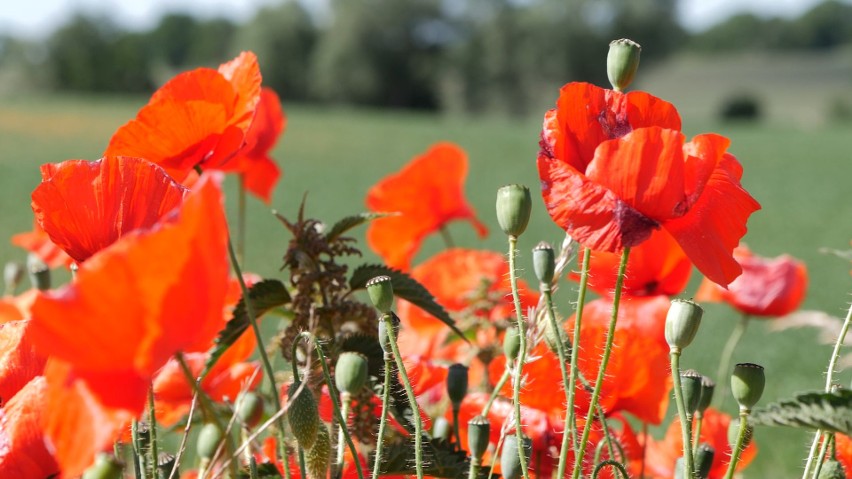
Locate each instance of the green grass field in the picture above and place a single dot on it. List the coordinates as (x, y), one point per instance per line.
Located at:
(801, 177)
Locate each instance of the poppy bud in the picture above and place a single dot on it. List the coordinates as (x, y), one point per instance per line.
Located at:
(682, 323)
(552, 336)
(511, 343)
(707, 388)
(380, 290)
(478, 434)
(734, 429)
(622, 61)
(318, 457)
(442, 429)
(165, 465)
(208, 441)
(544, 262)
(39, 272)
(106, 466)
(690, 384)
(457, 383)
(303, 415)
(251, 408)
(704, 460)
(832, 469)
(747, 383)
(350, 373)
(514, 205)
(384, 339)
(13, 273)
(510, 462)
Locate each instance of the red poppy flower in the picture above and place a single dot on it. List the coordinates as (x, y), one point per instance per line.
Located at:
(199, 117)
(149, 295)
(662, 455)
(844, 451)
(39, 243)
(428, 194)
(767, 287)
(85, 206)
(614, 167)
(23, 453)
(19, 361)
(259, 171)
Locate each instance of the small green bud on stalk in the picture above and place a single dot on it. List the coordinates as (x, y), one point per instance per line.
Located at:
(707, 388)
(682, 322)
(478, 435)
(457, 384)
(704, 460)
(208, 441)
(318, 457)
(442, 428)
(514, 205)
(747, 383)
(832, 469)
(13, 273)
(510, 462)
(380, 290)
(251, 408)
(551, 336)
(384, 338)
(544, 263)
(511, 343)
(303, 415)
(165, 465)
(350, 373)
(106, 466)
(734, 429)
(622, 61)
(39, 272)
(690, 382)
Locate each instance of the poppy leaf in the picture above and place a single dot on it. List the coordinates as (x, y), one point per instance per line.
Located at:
(350, 222)
(440, 459)
(265, 295)
(405, 287)
(829, 411)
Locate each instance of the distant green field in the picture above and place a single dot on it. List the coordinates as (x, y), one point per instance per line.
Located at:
(800, 177)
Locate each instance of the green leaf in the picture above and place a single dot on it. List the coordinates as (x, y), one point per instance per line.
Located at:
(440, 459)
(405, 287)
(265, 295)
(350, 222)
(812, 410)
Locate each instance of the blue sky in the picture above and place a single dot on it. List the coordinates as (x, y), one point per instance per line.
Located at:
(35, 18)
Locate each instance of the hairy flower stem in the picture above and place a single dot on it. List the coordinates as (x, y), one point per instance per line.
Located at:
(575, 349)
(826, 439)
(346, 400)
(152, 430)
(496, 392)
(683, 416)
(138, 454)
(522, 354)
(829, 378)
(384, 418)
(456, 432)
(610, 336)
(696, 433)
(738, 447)
(723, 375)
(567, 385)
(473, 472)
(622, 472)
(241, 219)
(418, 425)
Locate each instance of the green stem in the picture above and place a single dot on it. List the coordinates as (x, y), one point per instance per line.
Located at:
(384, 419)
(826, 439)
(735, 454)
(253, 468)
(610, 336)
(723, 375)
(473, 472)
(566, 382)
(152, 431)
(683, 416)
(448, 240)
(418, 425)
(696, 436)
(456, 431)
(496, 392)
(570, 425)
(241, 219)
(522, 354)
(613, 464)
(346, 400)
(138, 454)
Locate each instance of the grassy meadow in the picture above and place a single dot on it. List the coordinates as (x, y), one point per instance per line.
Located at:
(800, 176)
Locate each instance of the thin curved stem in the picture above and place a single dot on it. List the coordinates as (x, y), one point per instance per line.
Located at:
(738, 448)
(522, 354)
(241, 218)
(722, 376)
(152, 430)
(575, 351)
(696, 435)
(418, 425)
(610, 336)
(496, 392)
(613, 464)
(346, 400)
(567, 384)
(448, 240)
(826, 439)
(683, 416)
(384, 418)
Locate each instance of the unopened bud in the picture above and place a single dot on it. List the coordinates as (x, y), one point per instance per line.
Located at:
(13, 273)
(690, 384)
(442, 429)
(747, 383)
(622, 61)
(511, 343)
(704, 460)
(514, 205)
(510, 461)
(39, 272)
(544, 262)
(682, 322)
(106, 466)
(350, 373)
(708, 386)
(251, 408)
(478, 436)
(380, 290)
(318, 457)
(457, 384)
(303, 414)
(832, 469)
(208, 440)
(384, 338)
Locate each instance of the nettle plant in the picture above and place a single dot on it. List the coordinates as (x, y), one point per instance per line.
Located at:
(140, 365)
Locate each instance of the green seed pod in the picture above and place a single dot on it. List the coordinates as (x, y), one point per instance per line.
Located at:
(318, 457)
(708, 386)
(251, 408)
(478, 436)
(682, 322)
(442, 429)
(509, 460)
(39, 272)
(734, 429)
(511, 343)
(553, 336)
(165, 464)
(747, 383)
(106, 466)
(690, 384)
(544, 262)
(350, 373)
(384, 339)
(13, 273)
(622, 62)
(208, 441)
(704, 460)
(380, 290)
(303, 415)
(457, 383)
(514, 205)
(832, 469)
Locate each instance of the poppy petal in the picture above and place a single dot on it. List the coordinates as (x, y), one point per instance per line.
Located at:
(19, 362)
(39, 243)
(23, 453)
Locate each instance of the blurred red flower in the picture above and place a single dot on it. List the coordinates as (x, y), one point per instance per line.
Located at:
(38, 242)
(427, 194)
(19, 361)
(149, 295)
(85, 206)
(23, 454)
(844, 451)
(614, 167)
(767, 287)
(198, 118)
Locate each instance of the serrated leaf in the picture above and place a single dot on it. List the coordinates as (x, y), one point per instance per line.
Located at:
(264, 295)
(812, 410)
(349, 222)
(405, 287)
(440, 459)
